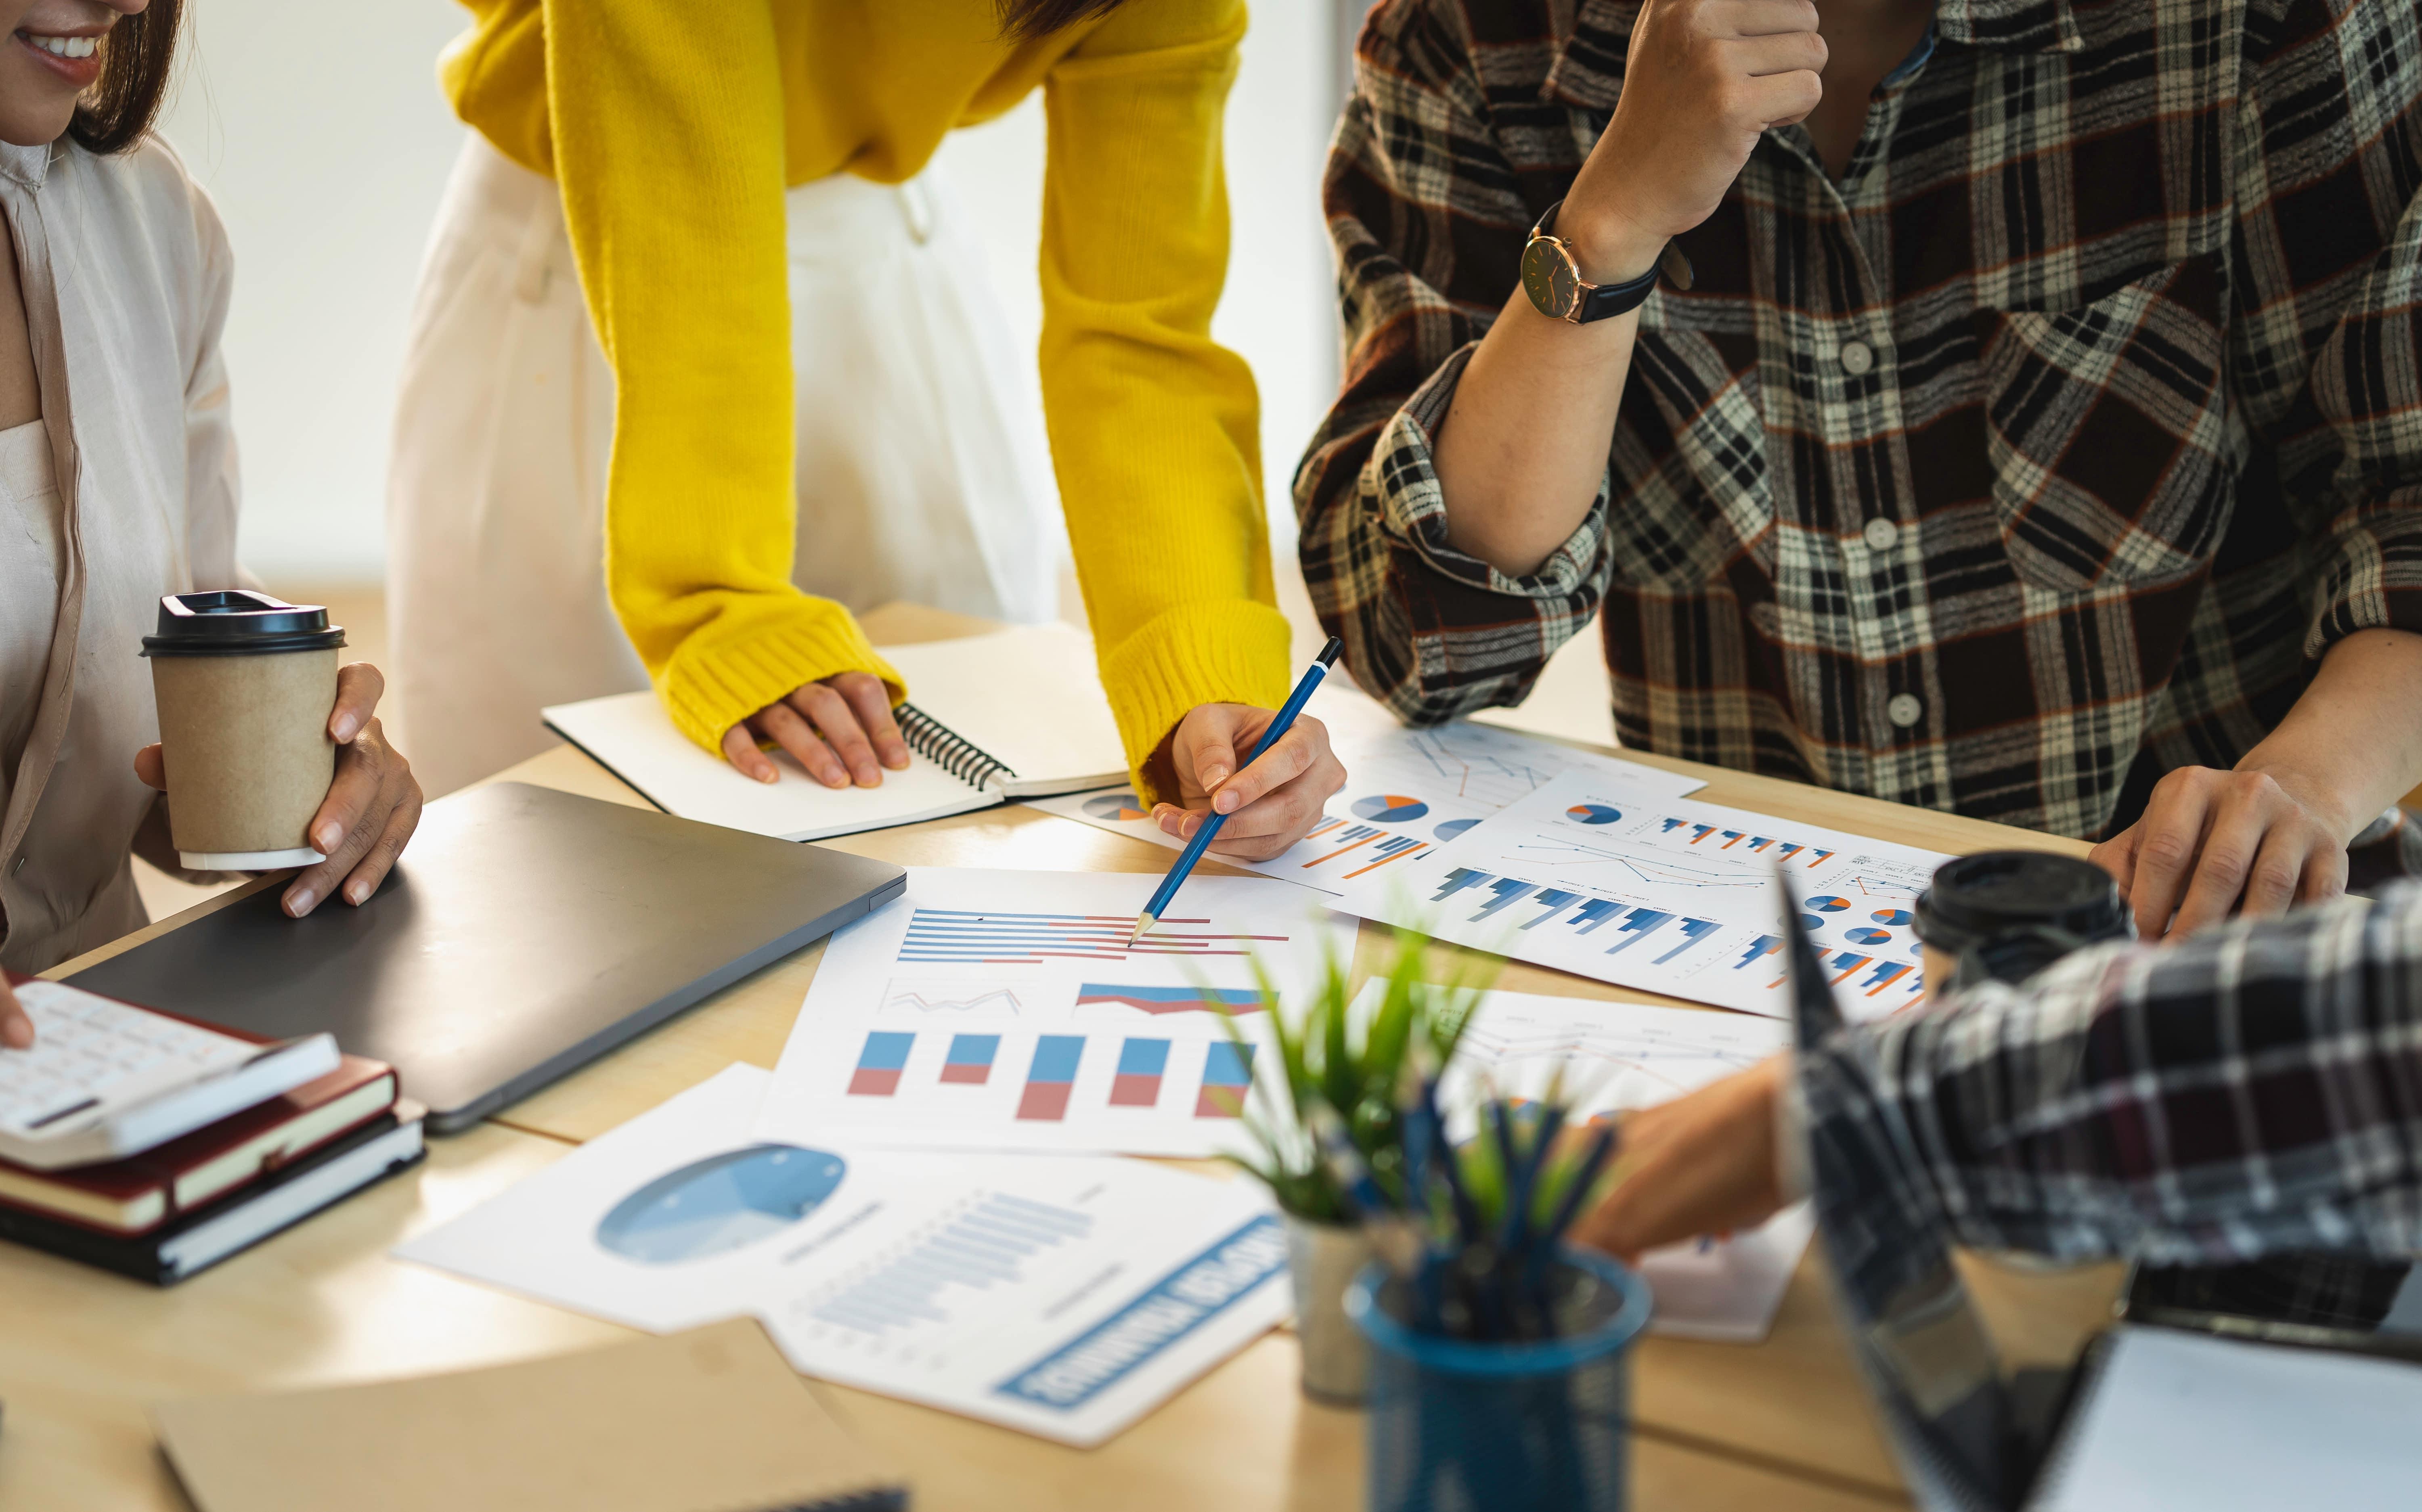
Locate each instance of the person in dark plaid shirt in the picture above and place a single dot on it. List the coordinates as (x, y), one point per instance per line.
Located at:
(2254, 1091)
(2039, 440)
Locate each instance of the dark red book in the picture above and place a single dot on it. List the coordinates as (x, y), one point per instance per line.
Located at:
(143, 1191)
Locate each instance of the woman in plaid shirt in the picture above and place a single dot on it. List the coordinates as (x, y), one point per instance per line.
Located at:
(2039, 438)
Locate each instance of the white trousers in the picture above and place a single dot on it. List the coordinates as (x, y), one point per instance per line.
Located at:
(922, 469)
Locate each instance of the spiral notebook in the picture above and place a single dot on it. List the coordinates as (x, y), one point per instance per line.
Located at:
(1013, 714)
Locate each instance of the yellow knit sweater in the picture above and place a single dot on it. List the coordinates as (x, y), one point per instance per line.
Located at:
(673, 130)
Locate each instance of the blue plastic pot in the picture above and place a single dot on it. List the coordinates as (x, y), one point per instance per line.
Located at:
(1456, 1425)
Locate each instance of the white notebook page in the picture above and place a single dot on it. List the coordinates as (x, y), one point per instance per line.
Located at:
(1029, 698)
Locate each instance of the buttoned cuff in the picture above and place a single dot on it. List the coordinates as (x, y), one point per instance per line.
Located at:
(1401, 480)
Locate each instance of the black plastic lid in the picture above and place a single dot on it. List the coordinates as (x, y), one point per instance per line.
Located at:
(237, 621)
(1994, 893)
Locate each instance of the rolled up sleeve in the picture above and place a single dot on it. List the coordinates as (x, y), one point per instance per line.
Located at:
(1417, 197)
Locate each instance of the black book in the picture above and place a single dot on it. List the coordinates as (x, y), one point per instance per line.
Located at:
(203, 1238)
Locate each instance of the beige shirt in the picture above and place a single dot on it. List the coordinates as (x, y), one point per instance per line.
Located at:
(126, 273)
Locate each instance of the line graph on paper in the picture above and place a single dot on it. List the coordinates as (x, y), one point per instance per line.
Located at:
(926, 998)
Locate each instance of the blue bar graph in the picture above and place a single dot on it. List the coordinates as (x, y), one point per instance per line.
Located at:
(1552, 901)
(1693, 930)
(1508, 892)
(1456, 880)
(1759, 949)
(1642, 924)
(981, 1247)
(1594, 913)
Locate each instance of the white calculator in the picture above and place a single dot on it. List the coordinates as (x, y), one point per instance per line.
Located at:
(105, 1079)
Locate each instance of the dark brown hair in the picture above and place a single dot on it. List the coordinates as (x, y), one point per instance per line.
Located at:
(1022, 21)
(136, 57)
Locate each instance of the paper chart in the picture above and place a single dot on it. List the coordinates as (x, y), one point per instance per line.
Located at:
(1610, 1057)
(1065, 1298)
(1668, 895)
(1408, 792)
(1007, 1011)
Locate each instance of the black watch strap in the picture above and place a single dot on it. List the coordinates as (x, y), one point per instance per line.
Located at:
(1605, 301)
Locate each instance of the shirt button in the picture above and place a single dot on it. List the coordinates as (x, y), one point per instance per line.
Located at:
(1857, 358)
(1881, 534)
(1905, 710)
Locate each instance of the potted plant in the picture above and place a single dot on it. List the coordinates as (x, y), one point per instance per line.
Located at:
(1359, 1058)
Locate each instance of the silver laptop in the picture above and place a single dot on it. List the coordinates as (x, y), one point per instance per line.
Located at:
(525, 933)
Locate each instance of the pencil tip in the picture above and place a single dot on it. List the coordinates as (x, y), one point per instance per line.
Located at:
(1143, 926)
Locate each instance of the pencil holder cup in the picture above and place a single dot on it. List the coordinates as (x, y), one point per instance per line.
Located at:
(1322, 1262)
(1539, 1425)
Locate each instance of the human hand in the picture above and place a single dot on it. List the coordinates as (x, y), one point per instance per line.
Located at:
(1703, 79)
(1703, 1163)
(16, 1028)
(2212, 840)
(372, 805)
(837, 729)
(1270, 804)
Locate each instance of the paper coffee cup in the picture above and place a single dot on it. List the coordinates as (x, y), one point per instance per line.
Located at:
(244, 684)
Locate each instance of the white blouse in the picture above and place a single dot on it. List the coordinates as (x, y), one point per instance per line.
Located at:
(126, 273)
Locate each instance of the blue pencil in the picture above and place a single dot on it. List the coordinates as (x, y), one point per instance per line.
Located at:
(1203, 837)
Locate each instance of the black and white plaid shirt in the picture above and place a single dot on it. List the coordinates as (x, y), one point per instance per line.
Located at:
(2066, 429)
(2254, 1091)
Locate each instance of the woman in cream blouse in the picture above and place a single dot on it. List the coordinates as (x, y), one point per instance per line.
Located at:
(118, 485)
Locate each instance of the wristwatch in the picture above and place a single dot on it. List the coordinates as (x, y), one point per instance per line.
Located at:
(1552, 276)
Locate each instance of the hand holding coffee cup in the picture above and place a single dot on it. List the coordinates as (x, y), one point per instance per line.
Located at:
(273, 755)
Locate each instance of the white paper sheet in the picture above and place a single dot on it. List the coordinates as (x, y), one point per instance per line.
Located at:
(1668, 895)
(1005, 1011)
(1408, 792)
(2180, 1420)
(1065, 1298)
(1613, 1056)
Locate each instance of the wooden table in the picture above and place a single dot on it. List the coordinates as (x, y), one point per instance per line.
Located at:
(1781, 1425)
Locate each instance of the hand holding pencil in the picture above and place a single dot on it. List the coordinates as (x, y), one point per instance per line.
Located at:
(1264, 806)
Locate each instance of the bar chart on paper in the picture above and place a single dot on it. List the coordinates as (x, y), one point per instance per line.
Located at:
(1669, 896)
(950, 1021)
(1413, 791)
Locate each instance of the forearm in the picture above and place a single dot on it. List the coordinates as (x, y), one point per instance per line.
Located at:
(2081, 1114)
(1524, 446)
(2352, 744)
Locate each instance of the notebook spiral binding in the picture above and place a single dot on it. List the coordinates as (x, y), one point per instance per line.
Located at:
(946, 748)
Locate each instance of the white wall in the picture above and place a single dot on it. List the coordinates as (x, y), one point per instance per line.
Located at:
(322, 134)
(1279, 312)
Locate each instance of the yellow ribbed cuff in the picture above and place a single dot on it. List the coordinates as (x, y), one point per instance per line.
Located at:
(1229, 652)
(710, 686)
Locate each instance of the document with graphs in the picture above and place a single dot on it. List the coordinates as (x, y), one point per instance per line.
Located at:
(1065, 1298)
(1000, 1010)
(1667, 894)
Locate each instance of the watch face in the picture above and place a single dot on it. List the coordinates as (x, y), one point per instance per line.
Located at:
(1549, 277)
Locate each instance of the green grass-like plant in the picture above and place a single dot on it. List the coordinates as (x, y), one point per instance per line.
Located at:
(1366, 1072)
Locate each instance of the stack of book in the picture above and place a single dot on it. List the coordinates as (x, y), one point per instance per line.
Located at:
(156, 1145)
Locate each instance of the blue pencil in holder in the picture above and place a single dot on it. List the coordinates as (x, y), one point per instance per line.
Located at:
(1532, 1426)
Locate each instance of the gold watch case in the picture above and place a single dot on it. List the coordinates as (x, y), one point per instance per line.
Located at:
(1553, 278)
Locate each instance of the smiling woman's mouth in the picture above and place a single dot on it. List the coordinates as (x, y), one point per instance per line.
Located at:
(63, 46)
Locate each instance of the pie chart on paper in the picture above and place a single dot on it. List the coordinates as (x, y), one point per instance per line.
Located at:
(1868, 936)
(1453, 827)
(1829, 905)
(1592, 813)
(1389, 809)
(1115, 806)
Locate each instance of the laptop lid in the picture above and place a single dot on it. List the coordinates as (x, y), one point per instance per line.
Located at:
(525, 933)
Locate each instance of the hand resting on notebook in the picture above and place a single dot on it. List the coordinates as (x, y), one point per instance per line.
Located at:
(838, 729)
(1269, 805)
(372, 806)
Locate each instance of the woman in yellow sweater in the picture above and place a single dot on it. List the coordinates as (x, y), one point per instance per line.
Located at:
(696, 148)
